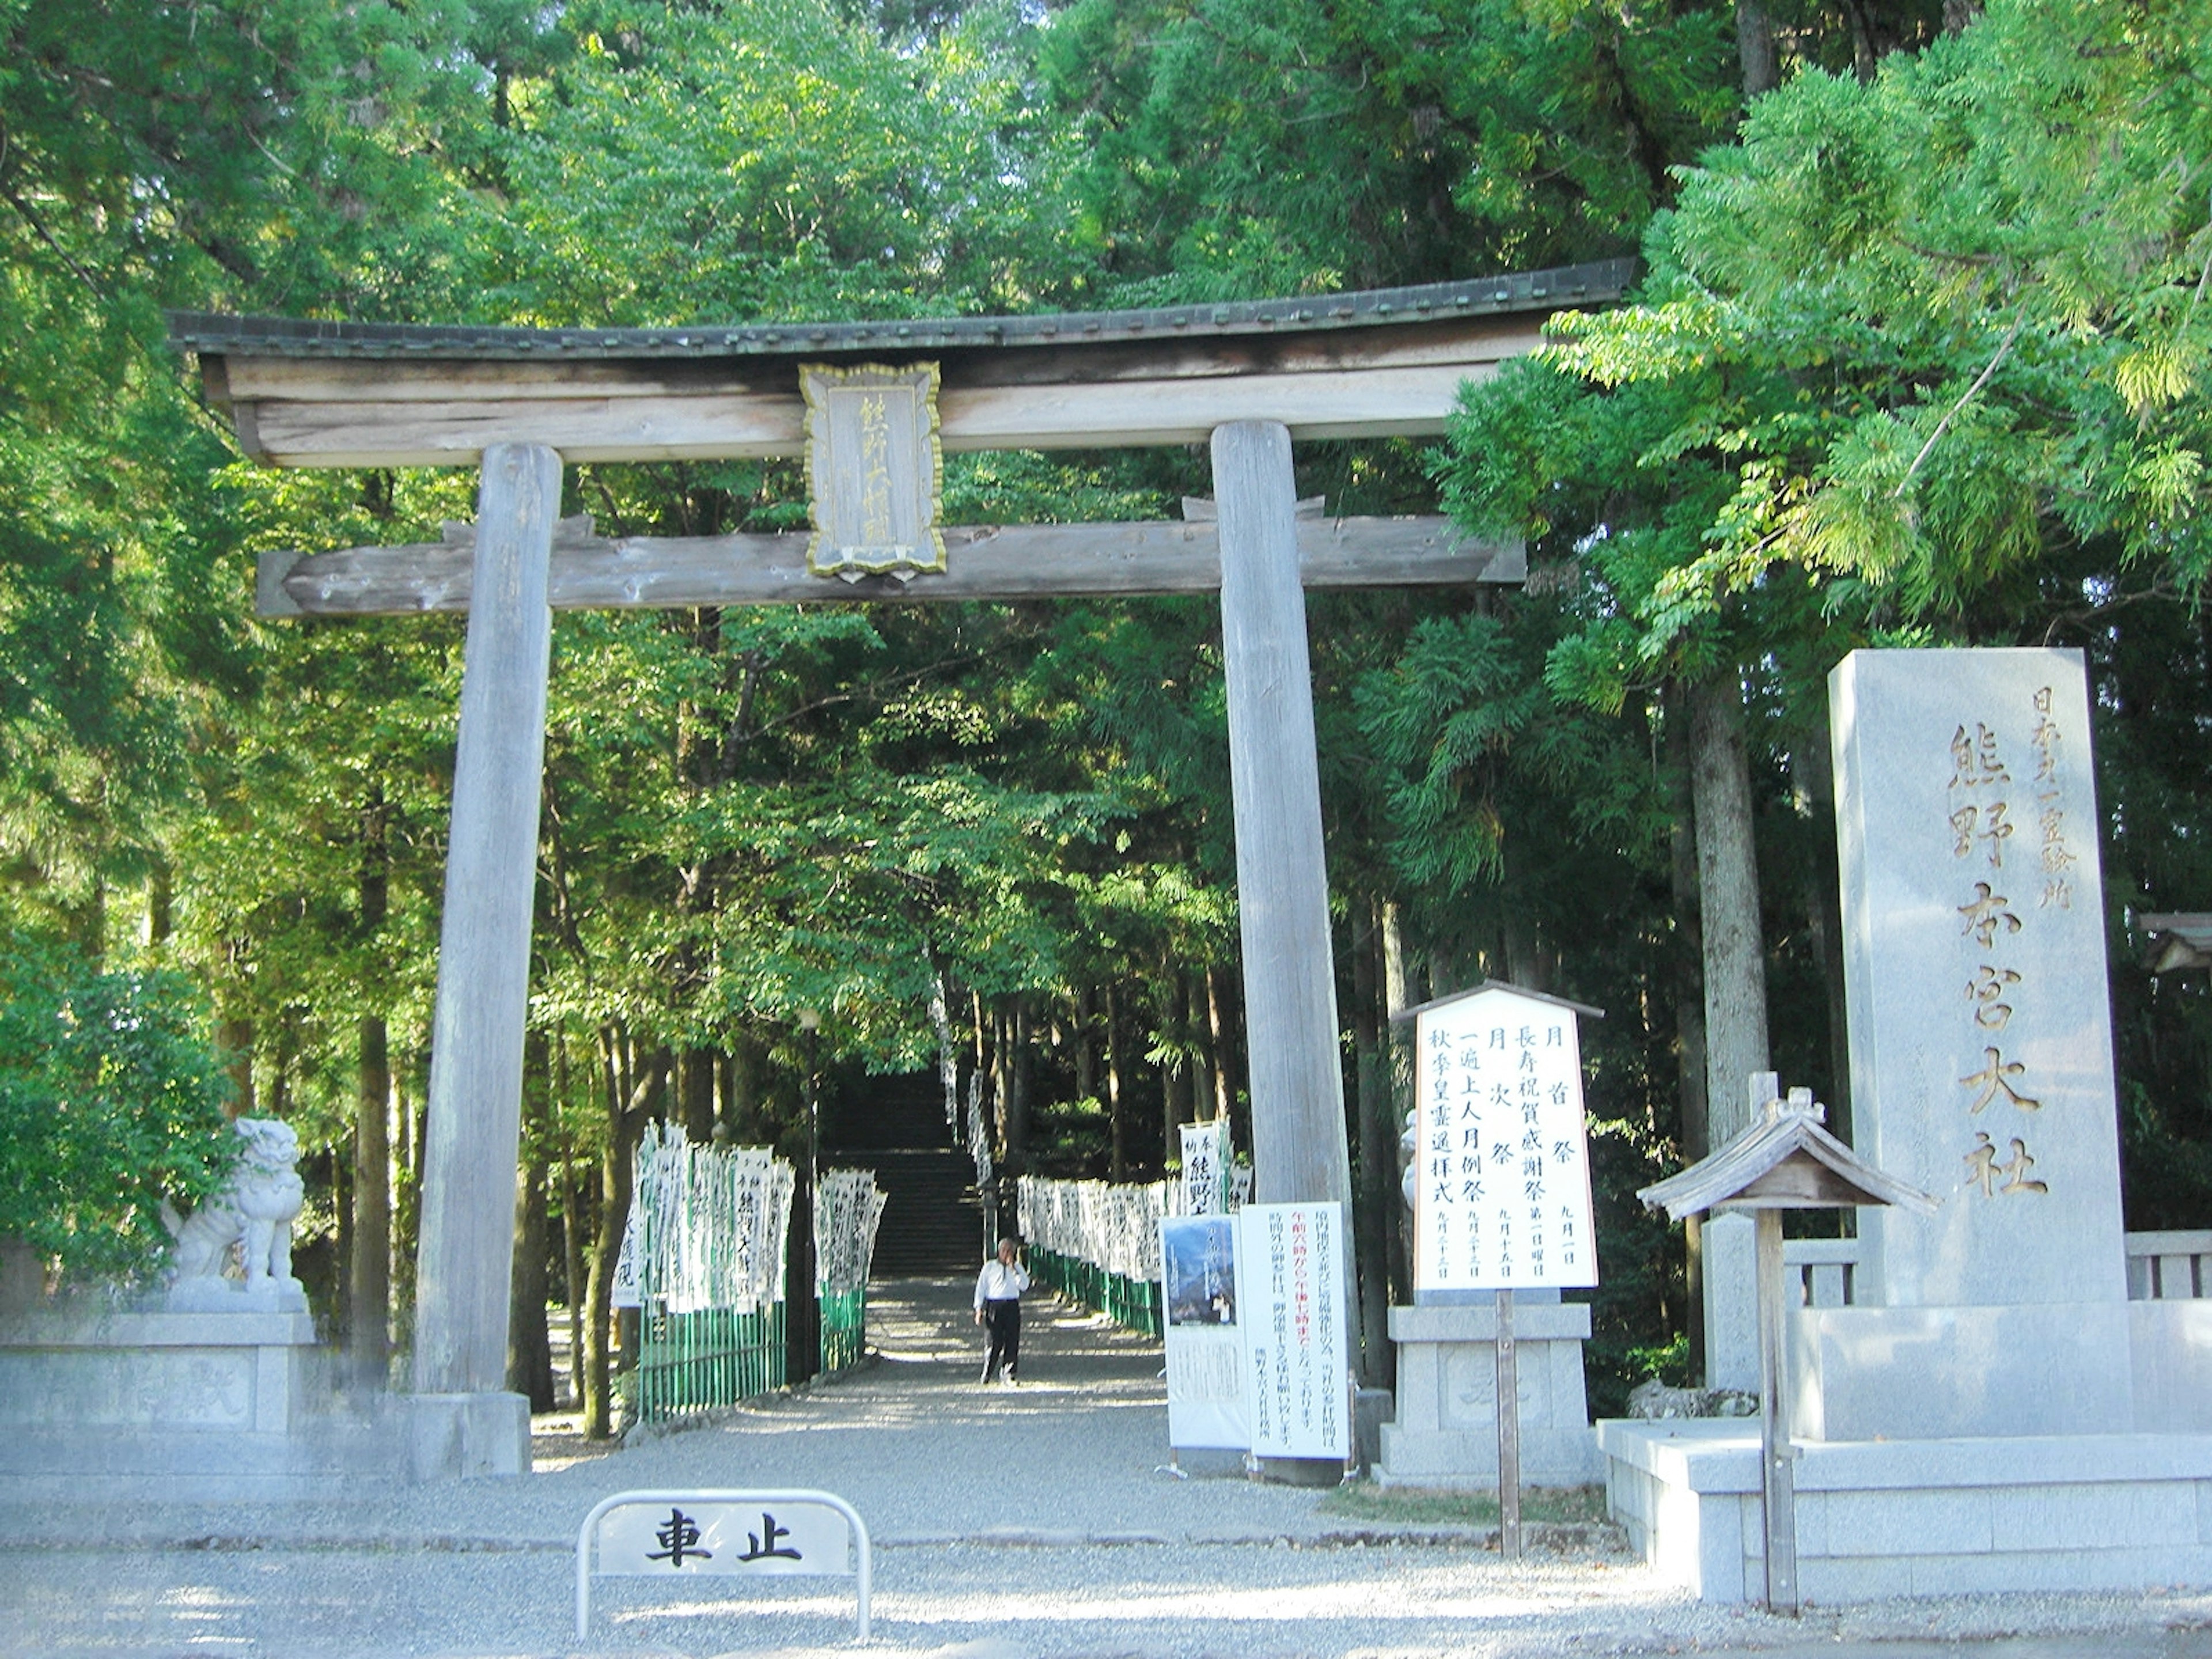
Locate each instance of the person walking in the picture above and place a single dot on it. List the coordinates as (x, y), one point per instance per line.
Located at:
(999, 1290)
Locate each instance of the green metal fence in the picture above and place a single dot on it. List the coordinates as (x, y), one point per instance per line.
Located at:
(844, 1328)
(1129, 1302)
(691, 1362)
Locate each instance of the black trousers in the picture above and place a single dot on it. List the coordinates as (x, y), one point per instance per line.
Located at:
(1002, 1333)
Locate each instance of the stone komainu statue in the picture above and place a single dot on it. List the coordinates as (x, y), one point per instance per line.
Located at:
(253, 1210)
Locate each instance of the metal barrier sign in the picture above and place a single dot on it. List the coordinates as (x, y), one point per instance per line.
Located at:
(722, 1534)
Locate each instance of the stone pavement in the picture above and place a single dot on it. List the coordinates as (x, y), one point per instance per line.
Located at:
(1007, 1523)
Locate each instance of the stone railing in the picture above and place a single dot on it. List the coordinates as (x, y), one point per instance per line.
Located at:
(1826, 1270)
(2161, 1267)
(2169, 1266)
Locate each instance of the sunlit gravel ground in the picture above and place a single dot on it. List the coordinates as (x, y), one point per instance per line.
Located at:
(1035, 1521)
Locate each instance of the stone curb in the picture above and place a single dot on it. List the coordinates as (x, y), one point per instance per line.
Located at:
(1556, 1538)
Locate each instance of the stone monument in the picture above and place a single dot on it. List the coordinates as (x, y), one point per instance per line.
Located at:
(1990, 1411)
(1981, 1057)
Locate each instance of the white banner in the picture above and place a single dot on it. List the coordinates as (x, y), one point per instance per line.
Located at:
(1204, 1342)
(1205, 1169)
(1501, 1171)
(1290, 1280)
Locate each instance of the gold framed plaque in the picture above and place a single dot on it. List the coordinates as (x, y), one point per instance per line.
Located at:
(874, 469)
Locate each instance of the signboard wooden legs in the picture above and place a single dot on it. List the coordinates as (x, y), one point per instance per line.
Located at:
(484, 956)
(1509, 1434)
(1778, 1488)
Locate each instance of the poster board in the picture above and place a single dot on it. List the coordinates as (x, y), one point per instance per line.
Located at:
(1204, 1342)
(1258, 1357)
(1501, 1186)
(1291, 1276)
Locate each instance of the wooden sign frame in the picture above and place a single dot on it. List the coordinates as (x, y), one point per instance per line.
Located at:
(875, 470)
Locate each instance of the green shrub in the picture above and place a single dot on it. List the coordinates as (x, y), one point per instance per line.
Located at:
(111, 1100)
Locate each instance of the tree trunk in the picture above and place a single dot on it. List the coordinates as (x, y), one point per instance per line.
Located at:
(1117, 1124)
(741, 1110)
(598, 1310)
(627, 1099)
(370, 1268)
(1755, 45)
(1398, 1040)
(1728, 885)
(1687, 968)
(1217, 1044)
(529, 1343)
(572, 1269)
(1026, 1068)
(1086, 1046)
(237, 1041)
(694, 1093)
(1173, 1069)
(1377, 1190)
(161, 904)
(1206, 1101)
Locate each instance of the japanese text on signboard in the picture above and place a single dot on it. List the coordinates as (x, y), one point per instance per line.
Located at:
(1501, 1172)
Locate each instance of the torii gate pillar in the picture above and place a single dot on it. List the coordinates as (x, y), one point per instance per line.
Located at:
(464, 1421)
(1299, 1149)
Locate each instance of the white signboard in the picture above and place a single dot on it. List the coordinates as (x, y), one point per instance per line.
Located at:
(1205, 1343)
(1501, 1188)
(1289, 1279)
(778, 1537)
(722, 1534)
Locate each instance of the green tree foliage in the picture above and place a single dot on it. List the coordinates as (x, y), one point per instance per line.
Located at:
(1275, 147)
(1919, 359)
(1915, 332)
(111, 1103)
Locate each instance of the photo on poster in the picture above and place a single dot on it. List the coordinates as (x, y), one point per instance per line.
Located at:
(1200, 1257)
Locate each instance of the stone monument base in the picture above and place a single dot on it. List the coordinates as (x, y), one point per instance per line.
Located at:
(1917, 1518)
(1445, 1434)
(2084, 1368)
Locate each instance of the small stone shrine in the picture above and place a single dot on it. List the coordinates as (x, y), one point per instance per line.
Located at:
(1988, 1409)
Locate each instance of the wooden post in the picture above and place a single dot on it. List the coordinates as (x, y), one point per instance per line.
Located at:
(1777, 1455)
(1299, 1149)
(483, 951)
(1509, 1433)
(1299, 1153)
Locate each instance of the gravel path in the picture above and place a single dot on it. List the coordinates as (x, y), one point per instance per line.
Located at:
(1029, 1521)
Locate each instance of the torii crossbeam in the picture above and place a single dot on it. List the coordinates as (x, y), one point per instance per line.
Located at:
(1247, 377)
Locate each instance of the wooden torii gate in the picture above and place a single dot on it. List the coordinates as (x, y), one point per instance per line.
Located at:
(1247, 378)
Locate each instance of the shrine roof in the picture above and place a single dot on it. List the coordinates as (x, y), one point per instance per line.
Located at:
(217, 335)
(1785, 1160)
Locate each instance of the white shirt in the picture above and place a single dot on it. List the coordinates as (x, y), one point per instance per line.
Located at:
(1000, 1283)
